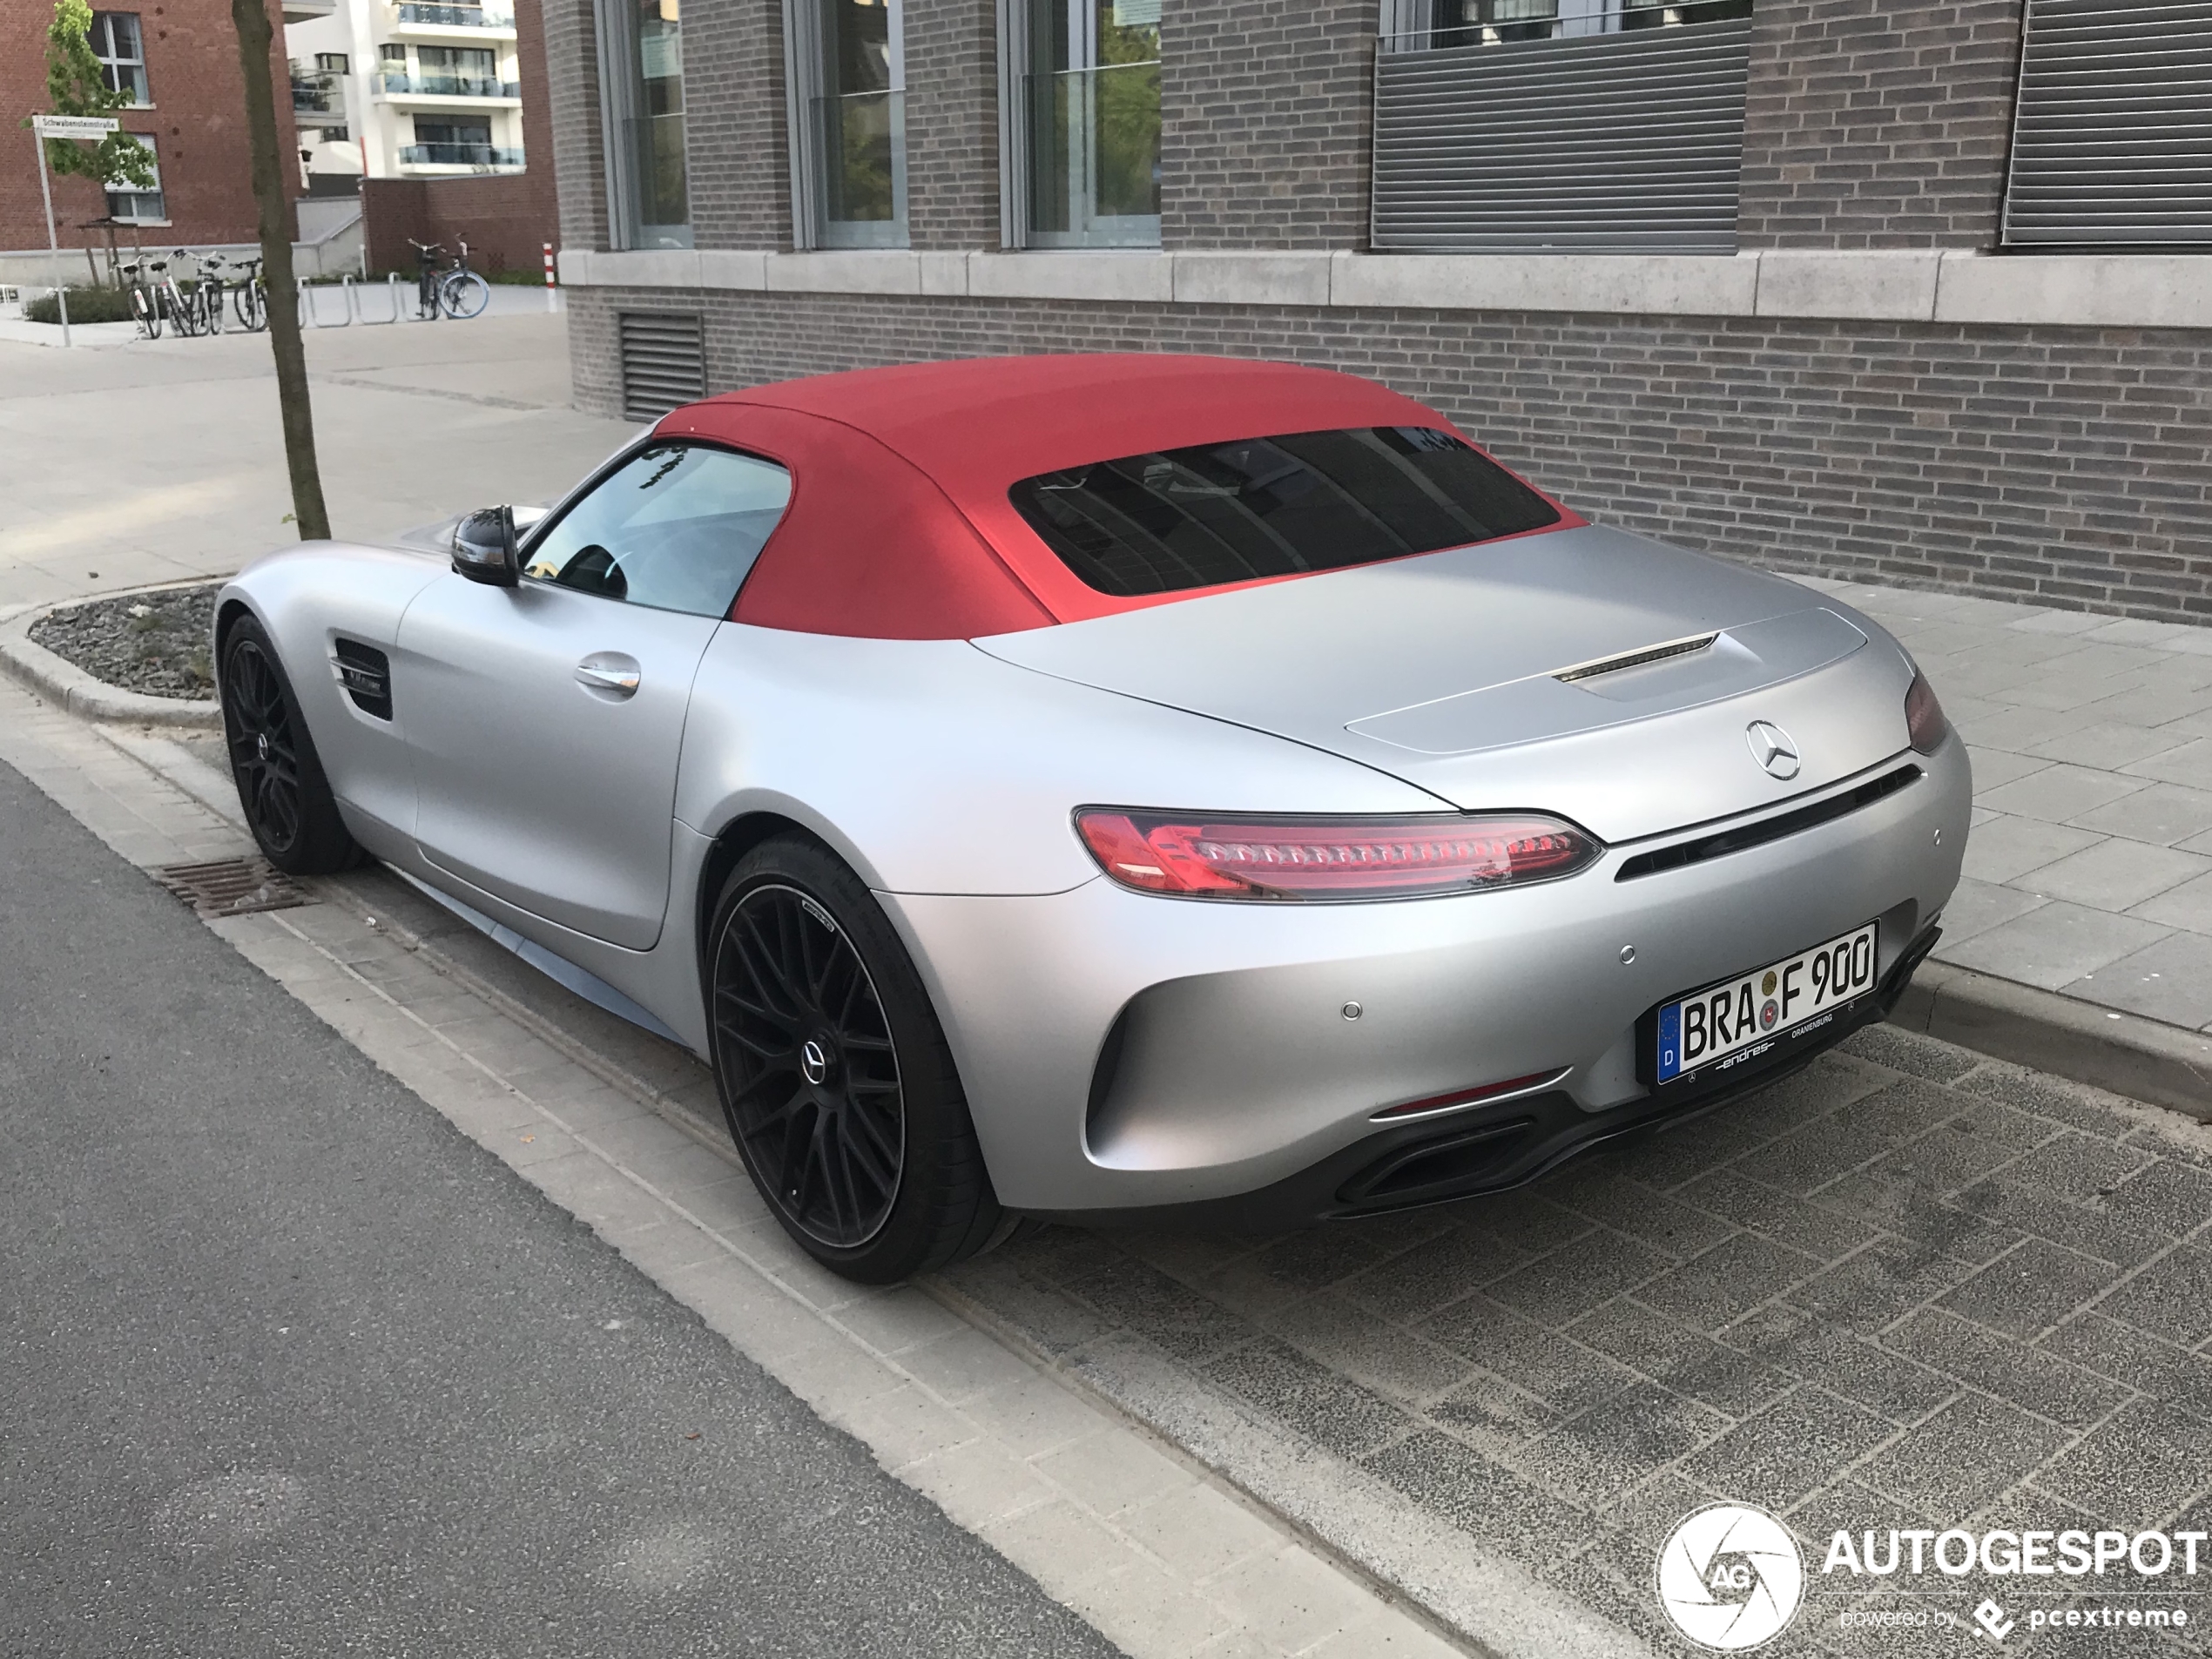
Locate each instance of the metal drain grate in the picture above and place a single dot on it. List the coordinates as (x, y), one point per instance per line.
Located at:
(232, 886)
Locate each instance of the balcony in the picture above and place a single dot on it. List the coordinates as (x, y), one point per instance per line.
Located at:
(420, 17)
(318, 94)
(467, 87)
(474, 157)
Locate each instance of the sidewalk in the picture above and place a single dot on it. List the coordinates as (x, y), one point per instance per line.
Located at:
(2089, 869)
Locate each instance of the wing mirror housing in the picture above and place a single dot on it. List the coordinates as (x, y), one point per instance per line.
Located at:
(484, 548)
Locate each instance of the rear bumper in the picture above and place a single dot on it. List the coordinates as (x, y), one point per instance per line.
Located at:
(1126, 1053)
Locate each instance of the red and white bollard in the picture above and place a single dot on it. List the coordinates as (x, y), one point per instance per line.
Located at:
(552, 289)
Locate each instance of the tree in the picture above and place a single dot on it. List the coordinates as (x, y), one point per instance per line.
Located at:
(75, 85)
(251, 19)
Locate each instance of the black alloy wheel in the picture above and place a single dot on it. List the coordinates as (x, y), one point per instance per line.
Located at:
(263, 756)
(288, 802)
(835, 1076)
(815, 1093)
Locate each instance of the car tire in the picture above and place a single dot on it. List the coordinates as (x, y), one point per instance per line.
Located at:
(835, 1077)
(281, 783)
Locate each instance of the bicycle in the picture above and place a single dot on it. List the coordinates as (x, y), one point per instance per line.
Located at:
(250, 298)
(186, 311)
(145, 304)
(457, 292)
(208, 293)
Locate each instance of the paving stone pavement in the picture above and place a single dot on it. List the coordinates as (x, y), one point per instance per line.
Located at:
(2089, 869)
(1908, 1287)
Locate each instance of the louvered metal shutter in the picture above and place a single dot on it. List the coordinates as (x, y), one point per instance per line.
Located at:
(2112, 140)
(1600, 142)
(664, 363)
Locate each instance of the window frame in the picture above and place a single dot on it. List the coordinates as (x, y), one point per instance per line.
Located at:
(621, 98)
(527, 544)
(807, 77)
(112, 61)
(160, 215)
(1017, 168)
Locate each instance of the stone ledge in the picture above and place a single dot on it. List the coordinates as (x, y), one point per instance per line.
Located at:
(1919, 285)
(67, 686)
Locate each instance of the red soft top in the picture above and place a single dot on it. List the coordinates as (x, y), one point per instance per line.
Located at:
(899, 526)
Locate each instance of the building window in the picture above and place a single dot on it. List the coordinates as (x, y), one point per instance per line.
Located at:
(1088, 148)
(117, 43)
(1432, 25)
(641, 45)
(451, 72)
(849, 144)
(332, 63)
(393, 54)
(134, 205)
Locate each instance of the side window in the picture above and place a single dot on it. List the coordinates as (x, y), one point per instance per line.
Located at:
(676, 527)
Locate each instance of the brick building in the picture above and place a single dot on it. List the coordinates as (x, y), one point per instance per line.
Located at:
(180, 59)
(1908, 292)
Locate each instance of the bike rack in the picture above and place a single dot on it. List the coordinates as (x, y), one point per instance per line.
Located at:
(392, 288)
(311, 316)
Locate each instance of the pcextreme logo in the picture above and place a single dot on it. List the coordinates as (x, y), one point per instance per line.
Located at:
(1730, 1577)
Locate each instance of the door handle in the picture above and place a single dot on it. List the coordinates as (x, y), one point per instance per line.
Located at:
(609, 671)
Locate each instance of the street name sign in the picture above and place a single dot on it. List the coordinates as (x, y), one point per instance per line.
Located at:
(74, 126)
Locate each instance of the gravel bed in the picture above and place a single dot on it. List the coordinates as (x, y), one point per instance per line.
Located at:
(155, 643)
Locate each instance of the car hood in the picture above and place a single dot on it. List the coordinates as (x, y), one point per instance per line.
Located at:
(1507, 676)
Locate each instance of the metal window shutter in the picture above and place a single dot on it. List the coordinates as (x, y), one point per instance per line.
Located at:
(2112, 140)
(1598, 143)
(664, 363)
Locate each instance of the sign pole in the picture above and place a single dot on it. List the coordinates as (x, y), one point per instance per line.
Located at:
(43, 127)
(53, 241)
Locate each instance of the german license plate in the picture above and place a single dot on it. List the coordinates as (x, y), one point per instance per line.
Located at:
(1741, 1019)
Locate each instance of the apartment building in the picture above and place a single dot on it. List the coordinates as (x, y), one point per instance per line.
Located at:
(1905, 291)
(413, 89)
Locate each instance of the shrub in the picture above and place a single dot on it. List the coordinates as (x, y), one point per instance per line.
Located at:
(85, 304)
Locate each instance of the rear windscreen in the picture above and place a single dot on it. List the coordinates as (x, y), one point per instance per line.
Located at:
(1261, 507)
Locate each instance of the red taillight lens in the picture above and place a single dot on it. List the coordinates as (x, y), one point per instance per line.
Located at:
(1360, 858)
(1925, 723)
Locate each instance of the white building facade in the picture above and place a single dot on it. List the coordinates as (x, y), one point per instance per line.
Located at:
(413, 89)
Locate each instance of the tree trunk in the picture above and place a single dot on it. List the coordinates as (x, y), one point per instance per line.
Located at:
(251, 19)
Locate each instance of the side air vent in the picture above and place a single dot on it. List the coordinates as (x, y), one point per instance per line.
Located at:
(1737, 840)
(664, 364)
(1642, 659)
(366, 673)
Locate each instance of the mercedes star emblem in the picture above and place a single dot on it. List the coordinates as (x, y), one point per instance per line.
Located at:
(1772, 748)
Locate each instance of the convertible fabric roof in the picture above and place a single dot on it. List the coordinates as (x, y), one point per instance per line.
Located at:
(899, 526)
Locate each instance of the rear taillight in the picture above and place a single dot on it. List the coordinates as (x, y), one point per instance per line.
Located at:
(1321, 859)
(1925, 721)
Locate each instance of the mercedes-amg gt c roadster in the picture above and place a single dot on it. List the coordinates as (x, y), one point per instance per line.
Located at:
(1089, 787)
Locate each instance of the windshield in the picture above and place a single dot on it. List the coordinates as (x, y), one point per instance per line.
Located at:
(1261, 507)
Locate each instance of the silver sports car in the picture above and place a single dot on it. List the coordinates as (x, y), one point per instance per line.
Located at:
(1089, 787)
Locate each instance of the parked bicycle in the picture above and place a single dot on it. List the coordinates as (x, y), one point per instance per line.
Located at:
(241, 280)
(145, 300)
(456, 292)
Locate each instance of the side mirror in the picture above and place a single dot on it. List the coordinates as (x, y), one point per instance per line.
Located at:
(484, 548)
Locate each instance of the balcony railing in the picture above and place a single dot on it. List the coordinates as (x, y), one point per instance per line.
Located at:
(317, 95)
(1095, 156)
(451, 86)
(460, 155)
(457, 16)
(862, 141)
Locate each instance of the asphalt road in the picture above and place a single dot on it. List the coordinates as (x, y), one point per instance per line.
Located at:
(288, 1366)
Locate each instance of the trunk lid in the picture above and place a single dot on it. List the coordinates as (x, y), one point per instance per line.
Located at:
(1586, 672)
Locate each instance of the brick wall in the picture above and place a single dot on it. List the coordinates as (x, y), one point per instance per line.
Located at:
(1266, 116)
(198, 119)
(1878, 123)
(736, 150)
(2067, 466)
(952, 123)
(572, 107)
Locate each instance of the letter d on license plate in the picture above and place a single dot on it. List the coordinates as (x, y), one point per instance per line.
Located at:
(1739, 1019)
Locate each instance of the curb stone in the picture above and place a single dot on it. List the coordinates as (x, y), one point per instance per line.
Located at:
(2143, 1059)
(67, 686)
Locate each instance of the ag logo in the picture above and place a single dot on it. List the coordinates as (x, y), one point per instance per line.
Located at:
(1730, 1577)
